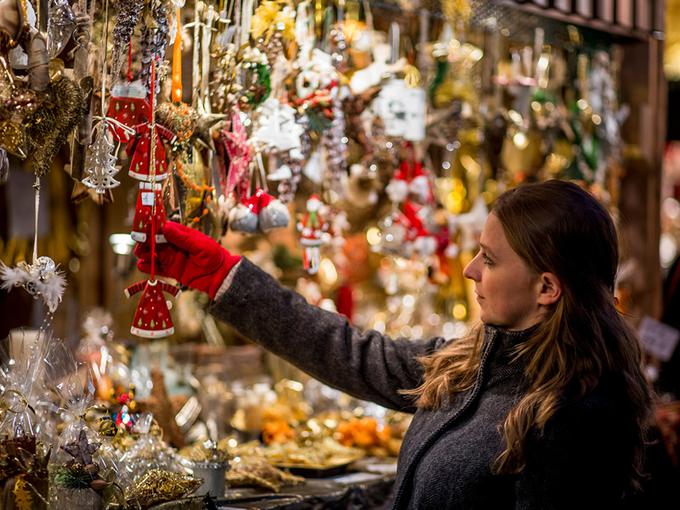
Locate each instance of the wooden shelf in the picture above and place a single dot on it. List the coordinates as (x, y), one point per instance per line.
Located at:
(576, 19)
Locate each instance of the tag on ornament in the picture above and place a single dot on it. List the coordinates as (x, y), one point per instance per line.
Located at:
(658, 339)
(148, 198)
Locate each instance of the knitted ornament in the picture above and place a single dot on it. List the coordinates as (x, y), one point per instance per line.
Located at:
(152, 317)
(140, 149)
(273, 213)
(129, 106)
(244, 217)
(149, 213)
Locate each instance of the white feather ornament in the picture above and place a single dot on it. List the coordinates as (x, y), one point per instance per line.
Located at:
(42, 279)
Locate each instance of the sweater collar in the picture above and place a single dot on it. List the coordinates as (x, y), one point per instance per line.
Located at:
(501, 361)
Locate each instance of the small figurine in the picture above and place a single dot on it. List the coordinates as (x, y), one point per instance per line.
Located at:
(313, 233)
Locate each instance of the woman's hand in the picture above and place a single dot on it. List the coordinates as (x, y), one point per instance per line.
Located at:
(190, 257)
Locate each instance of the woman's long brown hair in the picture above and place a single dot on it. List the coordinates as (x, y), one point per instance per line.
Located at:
(555, 227)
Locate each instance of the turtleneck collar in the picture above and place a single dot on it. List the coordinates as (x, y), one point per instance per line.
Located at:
(501, 362)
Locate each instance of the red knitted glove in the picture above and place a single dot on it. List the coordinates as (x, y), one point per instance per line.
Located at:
(190, 257)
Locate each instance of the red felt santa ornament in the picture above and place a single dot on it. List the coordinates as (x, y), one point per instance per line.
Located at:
(152, 317)
(129, 106)
(140, 150)
(149, 212)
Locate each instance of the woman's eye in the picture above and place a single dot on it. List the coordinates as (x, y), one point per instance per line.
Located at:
(487, 260)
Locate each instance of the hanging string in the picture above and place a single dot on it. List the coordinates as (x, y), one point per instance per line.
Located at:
(104, 60)
(152, 162)
(36, 187)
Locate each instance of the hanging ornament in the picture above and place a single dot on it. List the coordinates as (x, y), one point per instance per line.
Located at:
(272, 212)
(129, 12)
(334, 142)
(291, 167)
(129, 106)
(48, 128)
(276, 128)
(61, 23)
(17, 102)
(313, 230)
(176, 94)
(245, 216)
(4, 166)
(236, 144)
(256, 78)
(100, 163)
(411, 180)
(149, 213)
(154, 39)
(152, 318)
(42, 279)
(140, 150)
(315, 87)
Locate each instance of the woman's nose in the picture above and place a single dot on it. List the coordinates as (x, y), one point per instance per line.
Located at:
(471, 271)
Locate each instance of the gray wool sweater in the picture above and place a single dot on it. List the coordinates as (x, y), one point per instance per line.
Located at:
(579, 461)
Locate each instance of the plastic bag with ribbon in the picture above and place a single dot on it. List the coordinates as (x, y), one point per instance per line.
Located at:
(83, 465)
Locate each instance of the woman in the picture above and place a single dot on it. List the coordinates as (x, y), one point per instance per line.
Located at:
(543, 407)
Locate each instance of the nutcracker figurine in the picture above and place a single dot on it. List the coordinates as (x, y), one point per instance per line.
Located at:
(313, 233)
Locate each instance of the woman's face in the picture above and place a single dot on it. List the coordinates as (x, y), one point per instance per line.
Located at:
(507, 290)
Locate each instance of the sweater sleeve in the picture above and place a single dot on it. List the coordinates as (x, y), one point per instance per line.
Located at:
(367, 365)
(581, 460)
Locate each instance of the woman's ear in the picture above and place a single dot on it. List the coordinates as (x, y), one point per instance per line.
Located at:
(550, 289)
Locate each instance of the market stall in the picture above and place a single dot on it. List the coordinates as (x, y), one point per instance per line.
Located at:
(352, 149)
